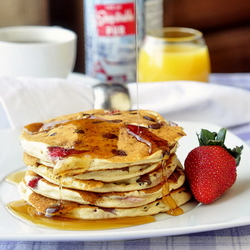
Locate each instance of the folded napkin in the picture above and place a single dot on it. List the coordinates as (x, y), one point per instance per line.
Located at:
(28, 100)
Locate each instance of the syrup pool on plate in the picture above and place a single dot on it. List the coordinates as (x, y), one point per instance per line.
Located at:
(23, 211)
(26, 212)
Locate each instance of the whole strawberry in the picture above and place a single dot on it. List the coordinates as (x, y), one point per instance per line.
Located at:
(211, 167)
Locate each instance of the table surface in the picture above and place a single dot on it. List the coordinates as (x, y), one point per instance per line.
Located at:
(232, 238)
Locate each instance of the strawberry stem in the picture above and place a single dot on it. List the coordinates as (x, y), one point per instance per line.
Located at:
(207, 138)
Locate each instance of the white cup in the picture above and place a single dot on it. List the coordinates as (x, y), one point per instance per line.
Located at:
(37, 51)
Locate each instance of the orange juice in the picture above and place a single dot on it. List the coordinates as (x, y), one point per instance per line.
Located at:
(167, 59)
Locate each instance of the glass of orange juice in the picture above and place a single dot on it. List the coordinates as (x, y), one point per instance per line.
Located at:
(173, 53)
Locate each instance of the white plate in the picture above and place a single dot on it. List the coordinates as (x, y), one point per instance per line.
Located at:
(231, 210)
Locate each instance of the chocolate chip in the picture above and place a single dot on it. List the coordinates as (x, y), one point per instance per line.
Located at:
(149, 118)
(144, 179)
(99, 121)
(80, 131)
(155, 125)
(119, 152)
(110, 136)
(109, 210)
(126, 169)
(115, 121)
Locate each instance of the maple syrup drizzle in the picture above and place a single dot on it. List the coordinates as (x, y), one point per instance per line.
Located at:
(105, 134)
(54, 209)
(38, 127)
(143, 135)
(166, 197)
(137, 45)
(26, 212)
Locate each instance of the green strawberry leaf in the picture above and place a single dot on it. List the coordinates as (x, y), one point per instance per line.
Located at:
(221, 136)
(207, 138)
(236, 153)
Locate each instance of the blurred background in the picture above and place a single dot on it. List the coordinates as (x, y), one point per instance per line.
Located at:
(225, 25)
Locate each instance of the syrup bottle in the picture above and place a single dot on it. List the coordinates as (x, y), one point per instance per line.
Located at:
(112, 28)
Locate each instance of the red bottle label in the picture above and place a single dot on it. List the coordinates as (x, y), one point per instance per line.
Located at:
(115, 19)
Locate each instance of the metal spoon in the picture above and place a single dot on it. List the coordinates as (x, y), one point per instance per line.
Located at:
(111, 96)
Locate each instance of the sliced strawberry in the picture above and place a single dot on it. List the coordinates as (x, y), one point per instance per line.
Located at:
(113, 112)
(33, 183)
(58, 152)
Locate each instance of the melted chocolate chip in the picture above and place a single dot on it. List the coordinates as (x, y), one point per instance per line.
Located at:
(126, 169)
(144, 179)
(77, 142)
(80, 131)
(115, 121)
(119, 152)
(149, 118)
(109, 210)
(110, 136)
(155, 125)
(99, 121)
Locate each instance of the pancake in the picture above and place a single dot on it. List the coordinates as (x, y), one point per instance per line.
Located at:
(133, 178)
(74, 210)
(103, 164)
(100, 140)
(109, 199)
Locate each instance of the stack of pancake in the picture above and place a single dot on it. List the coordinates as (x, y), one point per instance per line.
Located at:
(100, 164)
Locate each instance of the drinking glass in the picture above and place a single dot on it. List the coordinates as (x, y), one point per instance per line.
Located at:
(173, 53)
